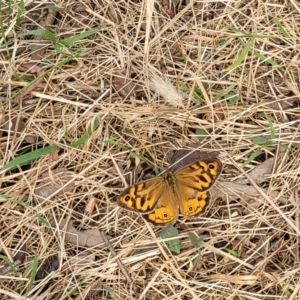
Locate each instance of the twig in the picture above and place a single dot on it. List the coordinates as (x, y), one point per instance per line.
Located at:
(113, 252)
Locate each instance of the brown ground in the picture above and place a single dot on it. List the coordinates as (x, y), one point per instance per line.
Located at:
(100, 96)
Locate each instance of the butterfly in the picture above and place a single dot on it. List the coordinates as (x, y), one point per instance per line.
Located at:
(161, 198)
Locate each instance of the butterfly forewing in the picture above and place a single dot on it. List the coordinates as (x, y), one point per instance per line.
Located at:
(200, 175)
(193, 183)
(142, 197)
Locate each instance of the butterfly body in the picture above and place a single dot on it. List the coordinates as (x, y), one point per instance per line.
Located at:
(161, 198)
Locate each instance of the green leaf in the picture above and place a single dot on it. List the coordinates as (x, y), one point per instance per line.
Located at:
(260, 140)
(252, 157)
(233, 99)
(58, 48)
(198, 93)
(196, 261)
(201, 134)
(286, 147)
(196, 241)
(169, 232)
(184, 58)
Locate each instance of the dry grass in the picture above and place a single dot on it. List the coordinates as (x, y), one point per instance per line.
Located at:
(235, 65)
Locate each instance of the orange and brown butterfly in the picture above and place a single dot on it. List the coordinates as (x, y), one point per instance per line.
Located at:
(161, 198)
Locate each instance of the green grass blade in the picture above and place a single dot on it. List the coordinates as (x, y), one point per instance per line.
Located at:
(269, 61)
(4, 198)
(28, 157)
(21, 7)
(272, 130)
(251, 35)
(196, 261)
(281, 28)
(42, 32)
(232, 252)
(251, 157)
(266, 59)
(59, 64)
(72, 40)
(242, 56)
(93, 127)
(6, 261)
(112, 141)
(225, 93)
(32, 269)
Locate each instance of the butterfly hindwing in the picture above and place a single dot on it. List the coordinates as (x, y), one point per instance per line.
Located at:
(166, 210)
